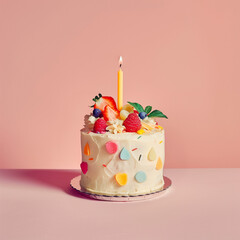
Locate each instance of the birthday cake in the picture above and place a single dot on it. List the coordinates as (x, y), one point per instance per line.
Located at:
(123, 149)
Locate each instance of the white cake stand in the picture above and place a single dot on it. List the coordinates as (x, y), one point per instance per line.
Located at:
(75, 184)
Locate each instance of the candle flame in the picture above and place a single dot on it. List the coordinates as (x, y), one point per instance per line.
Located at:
(120, 61)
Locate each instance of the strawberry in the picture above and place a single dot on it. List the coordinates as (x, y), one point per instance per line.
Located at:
(100, 126)
(102, 101)
(136, 111)
(110, 114)
(132, 123)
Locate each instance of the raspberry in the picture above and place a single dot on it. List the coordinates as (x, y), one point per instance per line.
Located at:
(100, 126)
(132, 123)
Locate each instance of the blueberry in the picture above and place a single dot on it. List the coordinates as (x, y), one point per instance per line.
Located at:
(142, 115)
(97, 113)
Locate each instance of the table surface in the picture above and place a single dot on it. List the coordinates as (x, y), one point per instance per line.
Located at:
(40, 204)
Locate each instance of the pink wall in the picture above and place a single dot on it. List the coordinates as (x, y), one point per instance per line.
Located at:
(180, 56)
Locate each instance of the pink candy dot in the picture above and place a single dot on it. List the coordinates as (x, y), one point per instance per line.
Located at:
(84, 167)
(111, 147)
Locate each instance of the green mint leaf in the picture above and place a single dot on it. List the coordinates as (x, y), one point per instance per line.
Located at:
(148, 109)
(157, 113)
(137, 106)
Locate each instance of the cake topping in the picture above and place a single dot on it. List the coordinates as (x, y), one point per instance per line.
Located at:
(111, 147)
(132, 123)
(132, 117)
(124, 114)
(110, 114)
(97, 113)
(142, 115)
(100, 126)
(115, 126)
(152, 155)
(159, 164)
(86, 150)
(140, 176)
(84, 167)
(147, 110)
(141, 131)
(102, 101)
(121, 178)
(124, 154)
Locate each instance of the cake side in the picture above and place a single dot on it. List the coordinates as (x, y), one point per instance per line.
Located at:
(122, 164)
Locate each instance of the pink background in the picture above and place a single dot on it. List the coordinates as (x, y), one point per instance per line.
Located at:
(182, 57)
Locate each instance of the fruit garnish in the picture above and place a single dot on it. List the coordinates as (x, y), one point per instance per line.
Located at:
(147, 110)
(132, 123)
(124, 114)
(142, 115)
(128, 108)
(136, 111)
(97, 113)
(110, 114)
(102, 101)
(100, 126)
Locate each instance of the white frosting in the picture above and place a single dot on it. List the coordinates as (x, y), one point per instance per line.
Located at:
(101, 180)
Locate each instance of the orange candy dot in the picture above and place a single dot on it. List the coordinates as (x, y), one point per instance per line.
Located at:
(159, 164)
(121, 178)
(86, 150)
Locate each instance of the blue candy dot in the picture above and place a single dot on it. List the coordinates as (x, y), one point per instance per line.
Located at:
(140, 176)
(124, 154)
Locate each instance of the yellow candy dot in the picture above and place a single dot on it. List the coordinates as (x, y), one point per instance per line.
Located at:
(121, 178)
(159, 164)
(141, 131)
(160, 142)
(159, 127)
(152, 155)
(86, 150)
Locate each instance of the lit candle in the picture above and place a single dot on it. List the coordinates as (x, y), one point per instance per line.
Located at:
(120, 85)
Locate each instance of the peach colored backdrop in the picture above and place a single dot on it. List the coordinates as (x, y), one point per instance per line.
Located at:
(180, 56)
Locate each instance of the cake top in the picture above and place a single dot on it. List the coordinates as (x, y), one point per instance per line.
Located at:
(106, 118)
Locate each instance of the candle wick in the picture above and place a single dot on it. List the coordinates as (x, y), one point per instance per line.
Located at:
(120, 65)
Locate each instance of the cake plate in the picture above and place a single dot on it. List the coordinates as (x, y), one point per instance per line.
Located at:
(75, 184)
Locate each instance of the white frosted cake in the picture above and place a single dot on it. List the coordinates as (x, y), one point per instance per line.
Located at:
(123, 152)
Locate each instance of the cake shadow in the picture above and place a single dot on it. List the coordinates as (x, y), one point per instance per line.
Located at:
(58, 179)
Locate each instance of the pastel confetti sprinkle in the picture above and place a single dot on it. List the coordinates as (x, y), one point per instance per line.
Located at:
(140, 176)
(124, 154)
(86, 150)
(139, 137)
(141, 131)
(111, 147)
(152, 155)
(84, 167)
(104, 165)
(140, 157)
(90, 159)
(160, 142)
(134, 149)
(159, 164)
(121, 178)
